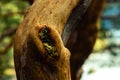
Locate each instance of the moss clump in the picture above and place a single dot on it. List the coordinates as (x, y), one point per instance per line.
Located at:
(48, 41)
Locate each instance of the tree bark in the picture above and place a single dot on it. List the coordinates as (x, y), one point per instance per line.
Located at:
(83, 37)
(39, 53)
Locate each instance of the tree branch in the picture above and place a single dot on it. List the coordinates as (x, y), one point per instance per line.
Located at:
(75, 17)
(111, 17)
(6, 48)
(38, 47)
(8, 32)
(12, 13)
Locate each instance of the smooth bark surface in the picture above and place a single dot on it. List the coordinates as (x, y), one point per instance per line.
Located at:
(37, 57)
(40, 53)
(83, 37)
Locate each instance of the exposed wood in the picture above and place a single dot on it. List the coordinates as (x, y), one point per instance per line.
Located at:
(31, 54)
(39, 50)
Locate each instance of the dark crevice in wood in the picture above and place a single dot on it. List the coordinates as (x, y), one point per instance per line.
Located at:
(74, 18)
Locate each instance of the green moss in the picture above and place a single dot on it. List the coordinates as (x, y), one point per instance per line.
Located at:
(50, 49)
(48, 42)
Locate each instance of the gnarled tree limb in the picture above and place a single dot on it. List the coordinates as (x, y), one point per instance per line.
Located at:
(38, 57)
(40, 53)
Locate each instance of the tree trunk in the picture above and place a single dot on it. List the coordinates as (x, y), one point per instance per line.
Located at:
(39, 52)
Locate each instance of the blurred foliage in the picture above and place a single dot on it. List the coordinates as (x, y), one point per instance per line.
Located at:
(11, 14)
(109, 33)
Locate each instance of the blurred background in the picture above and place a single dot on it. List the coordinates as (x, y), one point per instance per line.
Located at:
(104, 62)
(11, 14)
